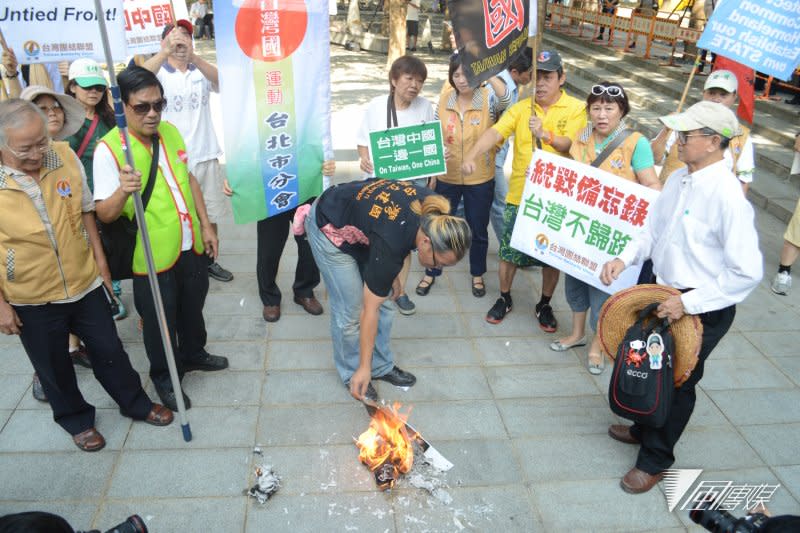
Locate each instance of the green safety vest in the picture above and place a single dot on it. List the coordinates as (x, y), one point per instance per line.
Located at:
(162, 216)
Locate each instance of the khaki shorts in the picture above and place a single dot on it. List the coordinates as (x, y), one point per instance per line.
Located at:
(209, 176)
(793, 229)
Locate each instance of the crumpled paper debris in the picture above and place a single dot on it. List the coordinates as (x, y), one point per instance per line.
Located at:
(267, 484)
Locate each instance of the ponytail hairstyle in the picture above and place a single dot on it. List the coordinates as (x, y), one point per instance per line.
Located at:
(446, 232)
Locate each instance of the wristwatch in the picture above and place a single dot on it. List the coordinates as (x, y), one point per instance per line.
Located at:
(11, 76)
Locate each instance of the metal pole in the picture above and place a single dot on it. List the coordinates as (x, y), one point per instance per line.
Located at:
(122, 124)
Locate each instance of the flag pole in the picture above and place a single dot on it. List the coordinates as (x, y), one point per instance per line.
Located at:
(695, 67)
(533, 42)
(122, 124)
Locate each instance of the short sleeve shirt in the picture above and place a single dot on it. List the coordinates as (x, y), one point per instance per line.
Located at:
(378, 216)
(564, 118)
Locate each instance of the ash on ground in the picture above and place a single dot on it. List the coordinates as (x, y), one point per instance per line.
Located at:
(424, 476)
(267, 484)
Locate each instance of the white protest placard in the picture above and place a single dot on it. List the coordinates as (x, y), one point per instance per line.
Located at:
(144, 23)
(576, 217)
(762, 34)
(44, 31)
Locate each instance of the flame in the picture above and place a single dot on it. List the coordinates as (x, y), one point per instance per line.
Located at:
(386, 442)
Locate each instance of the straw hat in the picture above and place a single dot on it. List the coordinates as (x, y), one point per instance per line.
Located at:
(621, 310)
(74, 114)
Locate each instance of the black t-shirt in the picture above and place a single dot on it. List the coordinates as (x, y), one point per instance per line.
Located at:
(380, 211)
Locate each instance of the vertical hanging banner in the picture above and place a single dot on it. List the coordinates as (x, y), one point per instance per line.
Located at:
(144, 22)
(274, 70)
(44, 31)
(489, 33)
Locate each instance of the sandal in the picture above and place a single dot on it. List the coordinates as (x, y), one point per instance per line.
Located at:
(478, 288)
(596, 368)
(424, 286)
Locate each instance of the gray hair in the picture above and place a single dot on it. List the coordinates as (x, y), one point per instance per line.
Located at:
(14, 113)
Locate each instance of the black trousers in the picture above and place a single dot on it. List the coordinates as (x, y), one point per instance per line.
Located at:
(656, 451)
(44, 336)
(272, 235)
(183, 290)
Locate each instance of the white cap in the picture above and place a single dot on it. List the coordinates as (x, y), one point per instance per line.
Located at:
(722, 79)
(86, 72)
(705, 115)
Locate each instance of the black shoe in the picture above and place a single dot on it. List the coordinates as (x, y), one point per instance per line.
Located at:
(207, 363)
(219, 273)
(499, 311)
(547, 321)
(793, 101)
(169, 400)
(37, 390)
(398, 377)
(81, 357)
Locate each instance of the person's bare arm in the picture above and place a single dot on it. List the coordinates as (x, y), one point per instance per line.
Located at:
(130, 181)
(489, 138)
(370, 312)
(365, 162)
(207, 69)
(659, 145)
(207, 230)
(649, 178)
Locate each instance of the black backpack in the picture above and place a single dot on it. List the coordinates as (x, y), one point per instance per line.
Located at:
(641, 386)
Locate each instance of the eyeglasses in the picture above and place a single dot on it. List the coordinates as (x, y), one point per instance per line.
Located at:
(611, 90)
(96, 88)
(683, 136)
(38, 148)
(47, 109)
(144, 108)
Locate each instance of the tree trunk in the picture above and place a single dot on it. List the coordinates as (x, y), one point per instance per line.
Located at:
(397, 30)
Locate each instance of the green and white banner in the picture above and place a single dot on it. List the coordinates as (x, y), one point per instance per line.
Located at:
(408, 152)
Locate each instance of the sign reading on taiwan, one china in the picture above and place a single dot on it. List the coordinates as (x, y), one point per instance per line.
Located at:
(408, 152)
(575, 217)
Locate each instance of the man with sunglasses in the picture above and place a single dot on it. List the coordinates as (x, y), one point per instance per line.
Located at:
(701, 237)
(50, 284)
(556, 119)
(177, 222)
(188, 82)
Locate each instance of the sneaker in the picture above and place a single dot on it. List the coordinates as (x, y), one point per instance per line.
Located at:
(219, 273)
(405, 305)
(498, 311)
(547, 321)
(781, 283)
(37, 390)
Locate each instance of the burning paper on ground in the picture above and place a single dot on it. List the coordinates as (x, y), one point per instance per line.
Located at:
(267, 484)
(385, 447)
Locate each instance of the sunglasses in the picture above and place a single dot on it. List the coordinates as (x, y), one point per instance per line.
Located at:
(683, 136)
(145, 107)
(611, 90)
(47, 109)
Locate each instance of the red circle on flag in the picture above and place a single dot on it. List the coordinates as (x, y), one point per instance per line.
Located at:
(271, 30)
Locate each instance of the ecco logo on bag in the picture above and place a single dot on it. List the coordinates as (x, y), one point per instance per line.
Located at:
(637, 373)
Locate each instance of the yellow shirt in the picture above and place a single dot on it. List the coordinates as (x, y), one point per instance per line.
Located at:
(564, 118)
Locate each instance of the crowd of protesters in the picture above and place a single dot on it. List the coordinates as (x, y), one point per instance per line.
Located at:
(63, 162)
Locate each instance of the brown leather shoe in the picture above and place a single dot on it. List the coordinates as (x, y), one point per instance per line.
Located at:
(159, 416)
(89, 441)
(310, 304)
(638, 481)
(271, 313)
(622, 433)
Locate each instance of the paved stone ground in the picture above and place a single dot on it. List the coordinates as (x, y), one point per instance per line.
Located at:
(525, 426)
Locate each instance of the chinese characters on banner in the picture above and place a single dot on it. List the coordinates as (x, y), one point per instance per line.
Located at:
(273, 58)
(144, 23)
(408, 152)
(44, 31)
(489, 34)
(575, 217)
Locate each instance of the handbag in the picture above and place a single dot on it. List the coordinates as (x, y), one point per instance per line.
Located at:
(119, 237)
(642, 387)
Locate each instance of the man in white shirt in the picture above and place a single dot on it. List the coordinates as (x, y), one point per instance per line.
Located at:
(188, 81)
(198, 14)
(702, 239)
(412, 24)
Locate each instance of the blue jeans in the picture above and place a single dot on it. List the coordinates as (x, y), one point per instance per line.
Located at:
(581, 297)
(477, 203)
(345, 285)
(499, 203)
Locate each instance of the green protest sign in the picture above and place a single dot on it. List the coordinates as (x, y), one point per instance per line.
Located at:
(408, 152)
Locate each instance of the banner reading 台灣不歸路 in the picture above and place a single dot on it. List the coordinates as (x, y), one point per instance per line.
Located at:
(489, 34)
(576, 217)
(274, 70)
(144, 23)
(762, 34)
(44, 31)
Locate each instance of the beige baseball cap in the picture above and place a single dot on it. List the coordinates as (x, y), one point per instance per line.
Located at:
(722, 79)
(705, 115)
